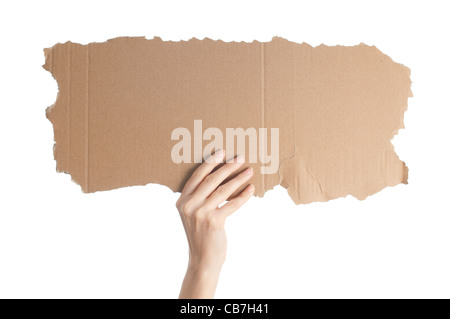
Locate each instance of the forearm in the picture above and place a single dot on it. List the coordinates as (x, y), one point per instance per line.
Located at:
(200, 282)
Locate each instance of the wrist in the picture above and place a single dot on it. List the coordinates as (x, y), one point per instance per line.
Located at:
(199, 269)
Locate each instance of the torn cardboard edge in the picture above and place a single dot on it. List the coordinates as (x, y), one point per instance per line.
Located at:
(337, 109)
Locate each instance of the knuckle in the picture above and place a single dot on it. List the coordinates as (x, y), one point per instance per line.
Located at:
(198, 218)
(187, 207)
(210, 179)
(209, 218)
(200, 213)
(215, 222)
(221, 189)
(178, 204)
(197, 174)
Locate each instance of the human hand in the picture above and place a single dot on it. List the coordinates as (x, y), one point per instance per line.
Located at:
(204, 220)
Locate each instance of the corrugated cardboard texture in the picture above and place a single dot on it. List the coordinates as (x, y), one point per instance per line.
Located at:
(337, 109)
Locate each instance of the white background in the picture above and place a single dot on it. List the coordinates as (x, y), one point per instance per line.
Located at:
(56, 241)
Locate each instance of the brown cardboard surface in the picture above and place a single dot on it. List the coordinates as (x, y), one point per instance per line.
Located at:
(337, 109)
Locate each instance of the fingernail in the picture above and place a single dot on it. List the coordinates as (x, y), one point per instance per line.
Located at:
(218, 156)
(248, 171)
(251, 188)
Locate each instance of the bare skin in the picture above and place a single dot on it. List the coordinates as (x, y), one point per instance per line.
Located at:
(204, 221)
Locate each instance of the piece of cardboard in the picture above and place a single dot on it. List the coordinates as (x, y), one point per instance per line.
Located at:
(337, 109)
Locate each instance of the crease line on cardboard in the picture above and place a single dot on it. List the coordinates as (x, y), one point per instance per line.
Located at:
(263, 97)
(69, 100)
(87, 116)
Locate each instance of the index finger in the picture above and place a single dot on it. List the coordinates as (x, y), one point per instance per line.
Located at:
(202, 171)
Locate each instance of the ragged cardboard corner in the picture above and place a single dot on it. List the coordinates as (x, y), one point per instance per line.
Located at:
(337, 109)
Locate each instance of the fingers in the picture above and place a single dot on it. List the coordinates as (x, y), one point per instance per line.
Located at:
(224, 191)
(213, 180)
(202, 171)
(234, 204)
